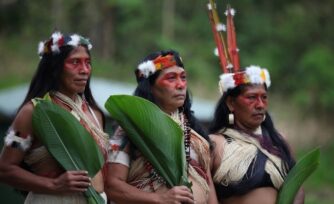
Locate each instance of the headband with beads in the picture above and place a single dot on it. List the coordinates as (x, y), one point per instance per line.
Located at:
(58, 40)
(149, 67)
(229, 55)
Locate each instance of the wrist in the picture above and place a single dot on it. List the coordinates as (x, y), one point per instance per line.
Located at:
(51, 185)
(156, 198)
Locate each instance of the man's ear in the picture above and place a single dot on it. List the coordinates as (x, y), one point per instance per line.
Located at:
(230, 103)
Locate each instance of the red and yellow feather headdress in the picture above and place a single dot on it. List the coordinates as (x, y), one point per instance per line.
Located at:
(229, 54)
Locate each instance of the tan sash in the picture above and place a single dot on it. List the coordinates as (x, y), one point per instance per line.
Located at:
(237, 156)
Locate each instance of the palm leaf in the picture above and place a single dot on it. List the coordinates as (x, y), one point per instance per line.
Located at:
(154, 133)
(67, 141)
(297, 175)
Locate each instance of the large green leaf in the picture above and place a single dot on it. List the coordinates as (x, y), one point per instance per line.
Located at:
(297, 175)
(68, 141)
(154, 133)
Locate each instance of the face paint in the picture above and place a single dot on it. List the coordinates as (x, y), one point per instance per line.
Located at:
(170, 88)
(76, 72)
(173, 80)
(250, 106)
(79, 61)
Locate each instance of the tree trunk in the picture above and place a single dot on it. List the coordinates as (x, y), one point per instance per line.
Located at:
(108, 42)
(168, 16)
(57, 13)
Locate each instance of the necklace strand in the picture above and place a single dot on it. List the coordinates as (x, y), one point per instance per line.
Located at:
(100, 136)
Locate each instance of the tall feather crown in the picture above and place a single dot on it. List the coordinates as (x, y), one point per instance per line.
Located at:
(228, 53)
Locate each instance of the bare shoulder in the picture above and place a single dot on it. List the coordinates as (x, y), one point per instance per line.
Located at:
(218, 142)
(23, 119)
(98, 114)
(27, 108)
(118, 171)
(217, 138)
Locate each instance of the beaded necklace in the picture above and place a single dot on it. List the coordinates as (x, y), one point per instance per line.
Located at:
(186, 133)
(77, 107)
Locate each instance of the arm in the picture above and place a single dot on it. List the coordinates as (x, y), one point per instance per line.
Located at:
(217, 152)
(119, 191)
(12, 173)
(212, 193)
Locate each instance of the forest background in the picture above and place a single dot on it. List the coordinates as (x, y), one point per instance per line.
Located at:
(293, 39)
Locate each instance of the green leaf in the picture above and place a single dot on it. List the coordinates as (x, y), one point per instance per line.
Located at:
(297, 175)
(155, 134)
(67, 141)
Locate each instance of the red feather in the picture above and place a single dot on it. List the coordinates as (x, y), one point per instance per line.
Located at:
(232, 41)
(219, 43)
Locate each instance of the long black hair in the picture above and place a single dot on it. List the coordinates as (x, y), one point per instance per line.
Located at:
(220, 122)
(48, 77)
(144, 90)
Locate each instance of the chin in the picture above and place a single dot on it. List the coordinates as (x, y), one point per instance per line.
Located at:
(179, 105)
(257, 125)
(81, 89)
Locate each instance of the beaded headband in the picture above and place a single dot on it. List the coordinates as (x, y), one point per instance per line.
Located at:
(229, 55)
(149, 67)
(58, 40)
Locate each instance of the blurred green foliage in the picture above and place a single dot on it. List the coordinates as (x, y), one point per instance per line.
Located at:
(293, 39)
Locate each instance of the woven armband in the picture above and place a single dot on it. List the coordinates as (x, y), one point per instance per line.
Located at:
(13, 140)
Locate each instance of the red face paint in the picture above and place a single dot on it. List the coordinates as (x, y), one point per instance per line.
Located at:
(170, 88)
(173, 80)
(250, 107)
(76, 72)
(79, 61)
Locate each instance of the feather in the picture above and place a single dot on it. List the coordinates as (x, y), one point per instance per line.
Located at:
(231, 39)
(216, 26)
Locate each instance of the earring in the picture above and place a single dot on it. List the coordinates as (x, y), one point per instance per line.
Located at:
(264, 118)
(231, 118)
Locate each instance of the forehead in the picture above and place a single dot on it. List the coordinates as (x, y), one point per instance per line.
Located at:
(174, 69)
(254, 89)
(79, 51)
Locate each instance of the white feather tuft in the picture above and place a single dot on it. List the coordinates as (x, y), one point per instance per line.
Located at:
(267, 77)
(220, 27)
(147, 68)
(75, 40)
(215, 52)
(40, 48)
(24, 143)
(209, 6)
(226, 82)
(254, 74)
(231, 11)
(56, 36)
